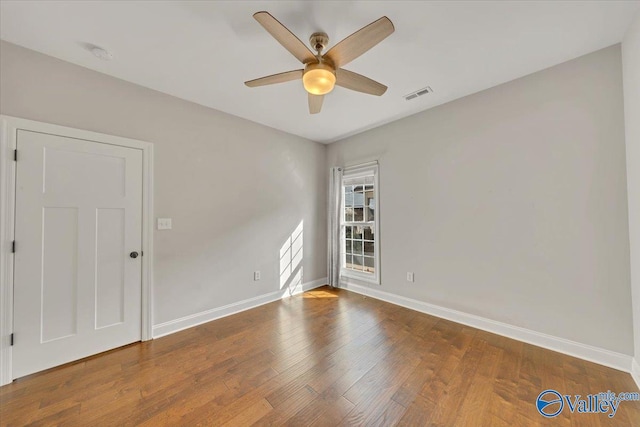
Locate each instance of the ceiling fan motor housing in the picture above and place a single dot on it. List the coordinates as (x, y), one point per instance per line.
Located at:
(319, 41)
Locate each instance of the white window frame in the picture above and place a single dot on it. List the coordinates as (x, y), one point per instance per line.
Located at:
(357, 172)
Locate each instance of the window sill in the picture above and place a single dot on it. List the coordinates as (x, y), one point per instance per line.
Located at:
(360, 277)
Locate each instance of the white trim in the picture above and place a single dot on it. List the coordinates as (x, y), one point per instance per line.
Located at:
(9, 127)
(635, 372)
(147, 243)
(7, 195)
(196, 319)
(353, 169)
(601, 356)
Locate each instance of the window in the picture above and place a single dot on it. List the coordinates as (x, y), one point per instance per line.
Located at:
(359, 225)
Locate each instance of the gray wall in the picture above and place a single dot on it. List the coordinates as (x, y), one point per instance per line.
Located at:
(235, 189)
(511, 203)
(631, 73)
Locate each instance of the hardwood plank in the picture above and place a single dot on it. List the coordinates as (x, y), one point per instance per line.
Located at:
(322, 411)
(503, 406)
(389, 414)
(474, 397)
(434, 354)
(433, 399)
(288, 408)
(252, 414)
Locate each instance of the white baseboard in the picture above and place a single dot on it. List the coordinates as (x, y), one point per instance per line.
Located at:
(601, 356)
(190, 321)
(635, 372)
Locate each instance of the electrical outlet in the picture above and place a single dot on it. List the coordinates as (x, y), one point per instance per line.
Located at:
(256, 276)
(409, 276)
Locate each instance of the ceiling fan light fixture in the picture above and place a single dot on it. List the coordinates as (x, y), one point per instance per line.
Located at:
(319, 79)
(323, 71)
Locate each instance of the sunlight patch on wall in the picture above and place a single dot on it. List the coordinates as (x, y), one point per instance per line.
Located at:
(291, 259)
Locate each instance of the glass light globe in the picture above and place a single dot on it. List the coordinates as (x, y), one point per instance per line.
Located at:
(318, 79)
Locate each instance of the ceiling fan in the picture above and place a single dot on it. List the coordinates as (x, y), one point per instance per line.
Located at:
(322, 72)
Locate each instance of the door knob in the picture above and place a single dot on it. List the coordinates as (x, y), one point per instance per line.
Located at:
(133, 254)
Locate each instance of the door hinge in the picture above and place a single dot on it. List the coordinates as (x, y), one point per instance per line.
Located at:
(13, 247)
(15, 155)
(11, 340)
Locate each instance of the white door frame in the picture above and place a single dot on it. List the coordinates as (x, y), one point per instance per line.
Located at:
(9, 127)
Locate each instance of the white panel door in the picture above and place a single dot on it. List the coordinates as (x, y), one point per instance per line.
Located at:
(77, 288)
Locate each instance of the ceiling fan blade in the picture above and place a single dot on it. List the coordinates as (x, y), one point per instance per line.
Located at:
(276, 78)
(360, 42)
(315, 103)
(354, 81)
(285, 37)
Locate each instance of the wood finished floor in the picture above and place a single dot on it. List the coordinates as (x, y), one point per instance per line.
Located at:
(324, 358)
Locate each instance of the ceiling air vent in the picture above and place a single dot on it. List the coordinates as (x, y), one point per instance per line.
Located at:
(419, 92)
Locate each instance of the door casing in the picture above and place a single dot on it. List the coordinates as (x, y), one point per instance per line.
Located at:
(9, 127)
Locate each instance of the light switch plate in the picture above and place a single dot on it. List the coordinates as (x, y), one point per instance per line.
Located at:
(164, 223)
(256, 275)
(409, 277)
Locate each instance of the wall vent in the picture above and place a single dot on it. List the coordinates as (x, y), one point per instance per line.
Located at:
(419, 92)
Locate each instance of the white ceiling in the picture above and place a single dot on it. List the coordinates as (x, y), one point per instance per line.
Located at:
(204, 51)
